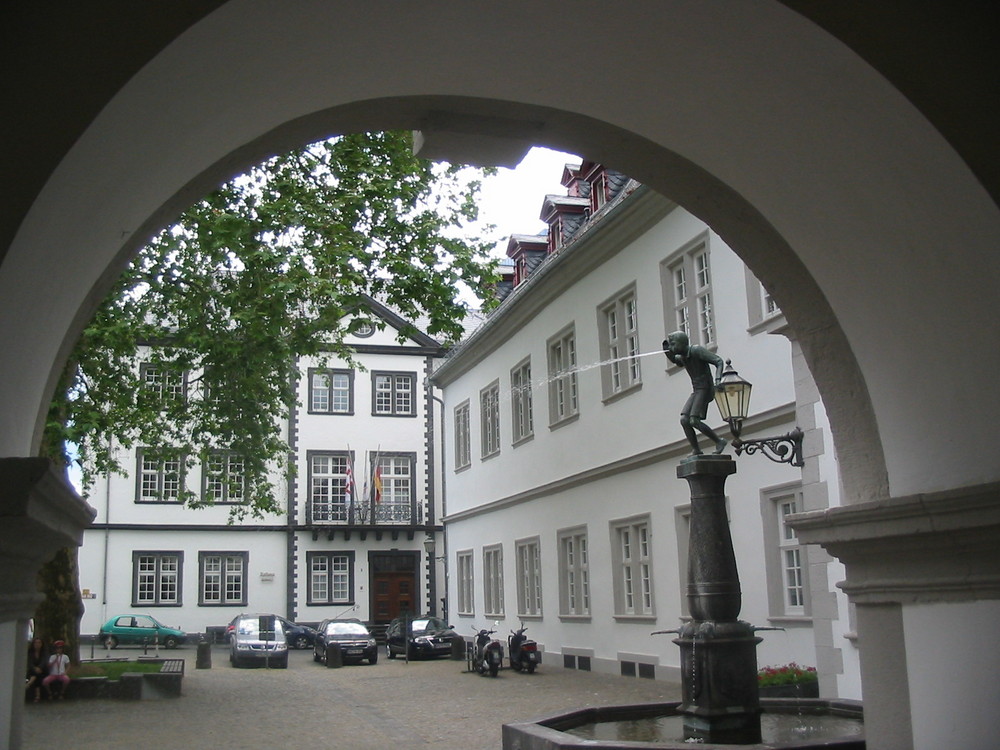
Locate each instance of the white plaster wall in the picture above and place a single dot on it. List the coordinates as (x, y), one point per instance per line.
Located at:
(361, 608)
(951, 648)
(266, 555)
(123, 509)
(638, 422)
(364, 433)
(654, 490)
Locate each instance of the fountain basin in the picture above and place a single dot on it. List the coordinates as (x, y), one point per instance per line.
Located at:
(805, 723)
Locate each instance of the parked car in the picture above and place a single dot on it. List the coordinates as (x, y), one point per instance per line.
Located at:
(139, 629)
(429, 636)
(258, 638)
(355, 640)
(296, 636)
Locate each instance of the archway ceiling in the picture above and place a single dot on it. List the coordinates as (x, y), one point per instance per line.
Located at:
(103, 63)
(65, 61)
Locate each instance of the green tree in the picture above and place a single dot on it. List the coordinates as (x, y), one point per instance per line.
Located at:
(274, 265)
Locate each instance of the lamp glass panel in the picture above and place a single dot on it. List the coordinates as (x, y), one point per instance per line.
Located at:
(733, 400)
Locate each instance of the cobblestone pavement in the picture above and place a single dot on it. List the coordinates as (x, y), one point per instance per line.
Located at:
(391, 704)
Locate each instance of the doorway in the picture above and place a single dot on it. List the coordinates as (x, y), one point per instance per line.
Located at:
(393, 585)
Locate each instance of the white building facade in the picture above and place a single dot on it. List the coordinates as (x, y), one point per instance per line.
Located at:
(359, 505)
(563, 509)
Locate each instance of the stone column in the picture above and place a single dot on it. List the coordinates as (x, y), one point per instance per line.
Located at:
(924, 573)
(720, 700)
(39, 514)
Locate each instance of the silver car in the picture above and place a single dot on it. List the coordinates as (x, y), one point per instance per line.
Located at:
(258, 638)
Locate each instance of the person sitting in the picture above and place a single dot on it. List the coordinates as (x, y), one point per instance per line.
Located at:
(58, 668)
(38, 667)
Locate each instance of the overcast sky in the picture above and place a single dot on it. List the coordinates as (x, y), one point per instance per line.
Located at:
(512, 200)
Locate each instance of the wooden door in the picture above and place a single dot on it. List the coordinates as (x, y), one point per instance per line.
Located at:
(394, 593)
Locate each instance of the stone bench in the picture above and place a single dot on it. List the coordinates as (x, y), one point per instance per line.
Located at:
(133, 685)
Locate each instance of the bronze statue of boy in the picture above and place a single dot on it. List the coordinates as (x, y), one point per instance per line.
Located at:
(697, 360)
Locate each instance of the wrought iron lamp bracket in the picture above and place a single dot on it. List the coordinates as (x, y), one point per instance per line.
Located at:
(785, 449)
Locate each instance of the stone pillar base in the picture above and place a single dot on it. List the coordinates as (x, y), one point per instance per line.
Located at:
(720, 700)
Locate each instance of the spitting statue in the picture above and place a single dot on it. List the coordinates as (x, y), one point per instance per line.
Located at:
(697, 360)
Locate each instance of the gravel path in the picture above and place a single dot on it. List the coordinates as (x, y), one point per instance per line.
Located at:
(391, 704)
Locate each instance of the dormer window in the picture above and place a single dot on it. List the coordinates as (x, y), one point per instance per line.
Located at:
(520, 271)
(598, 192)
(555, 234)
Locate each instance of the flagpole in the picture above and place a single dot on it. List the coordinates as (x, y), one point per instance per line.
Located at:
(351, 487)
(376, 480)
(365, 493)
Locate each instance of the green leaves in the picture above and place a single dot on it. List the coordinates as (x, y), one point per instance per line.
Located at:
(256, 275)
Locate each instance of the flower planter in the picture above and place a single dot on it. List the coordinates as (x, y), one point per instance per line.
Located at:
(808, 689)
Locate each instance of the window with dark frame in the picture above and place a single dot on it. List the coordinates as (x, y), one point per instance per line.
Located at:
(223, 478)
(394, 394)
(331, 578)
(328, 486)
(331, 391)
(223, 578)
(166, 382)
(160, 476)
(156, 579)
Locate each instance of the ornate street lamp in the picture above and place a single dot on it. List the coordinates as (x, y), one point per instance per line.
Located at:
(732, 396)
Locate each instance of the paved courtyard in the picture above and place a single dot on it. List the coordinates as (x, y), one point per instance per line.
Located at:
(392, 704)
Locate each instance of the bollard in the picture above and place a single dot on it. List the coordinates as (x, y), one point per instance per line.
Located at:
(204, 657)
(458, 648)
(334, 656)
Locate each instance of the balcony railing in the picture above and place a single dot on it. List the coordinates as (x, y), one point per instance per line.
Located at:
(368, 514)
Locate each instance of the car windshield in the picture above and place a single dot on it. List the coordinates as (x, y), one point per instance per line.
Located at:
(251, 626)
(346, 628)
(428, 623)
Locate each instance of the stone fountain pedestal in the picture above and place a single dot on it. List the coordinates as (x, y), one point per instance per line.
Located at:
(720, 699)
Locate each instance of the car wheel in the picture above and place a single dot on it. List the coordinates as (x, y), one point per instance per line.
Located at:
(233, 661)
(300, 642)
(170, 642)
(315, 656)
(389, 652)
(283, 664)
(110, 641)
(373, 659)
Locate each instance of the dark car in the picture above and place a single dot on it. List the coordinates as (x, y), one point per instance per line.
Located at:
(296, 636)
(429, 636)
(355, 640)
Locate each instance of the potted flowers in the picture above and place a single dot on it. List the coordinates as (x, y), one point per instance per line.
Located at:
(788, 681)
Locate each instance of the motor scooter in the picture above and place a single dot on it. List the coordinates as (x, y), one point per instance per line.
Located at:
(522, 651)
(486, 654)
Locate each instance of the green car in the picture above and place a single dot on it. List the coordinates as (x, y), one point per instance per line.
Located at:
(139, 629)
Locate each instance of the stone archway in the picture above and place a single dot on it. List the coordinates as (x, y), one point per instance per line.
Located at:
(872, 233)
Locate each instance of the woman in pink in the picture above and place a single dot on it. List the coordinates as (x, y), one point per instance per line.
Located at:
(58, 665)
